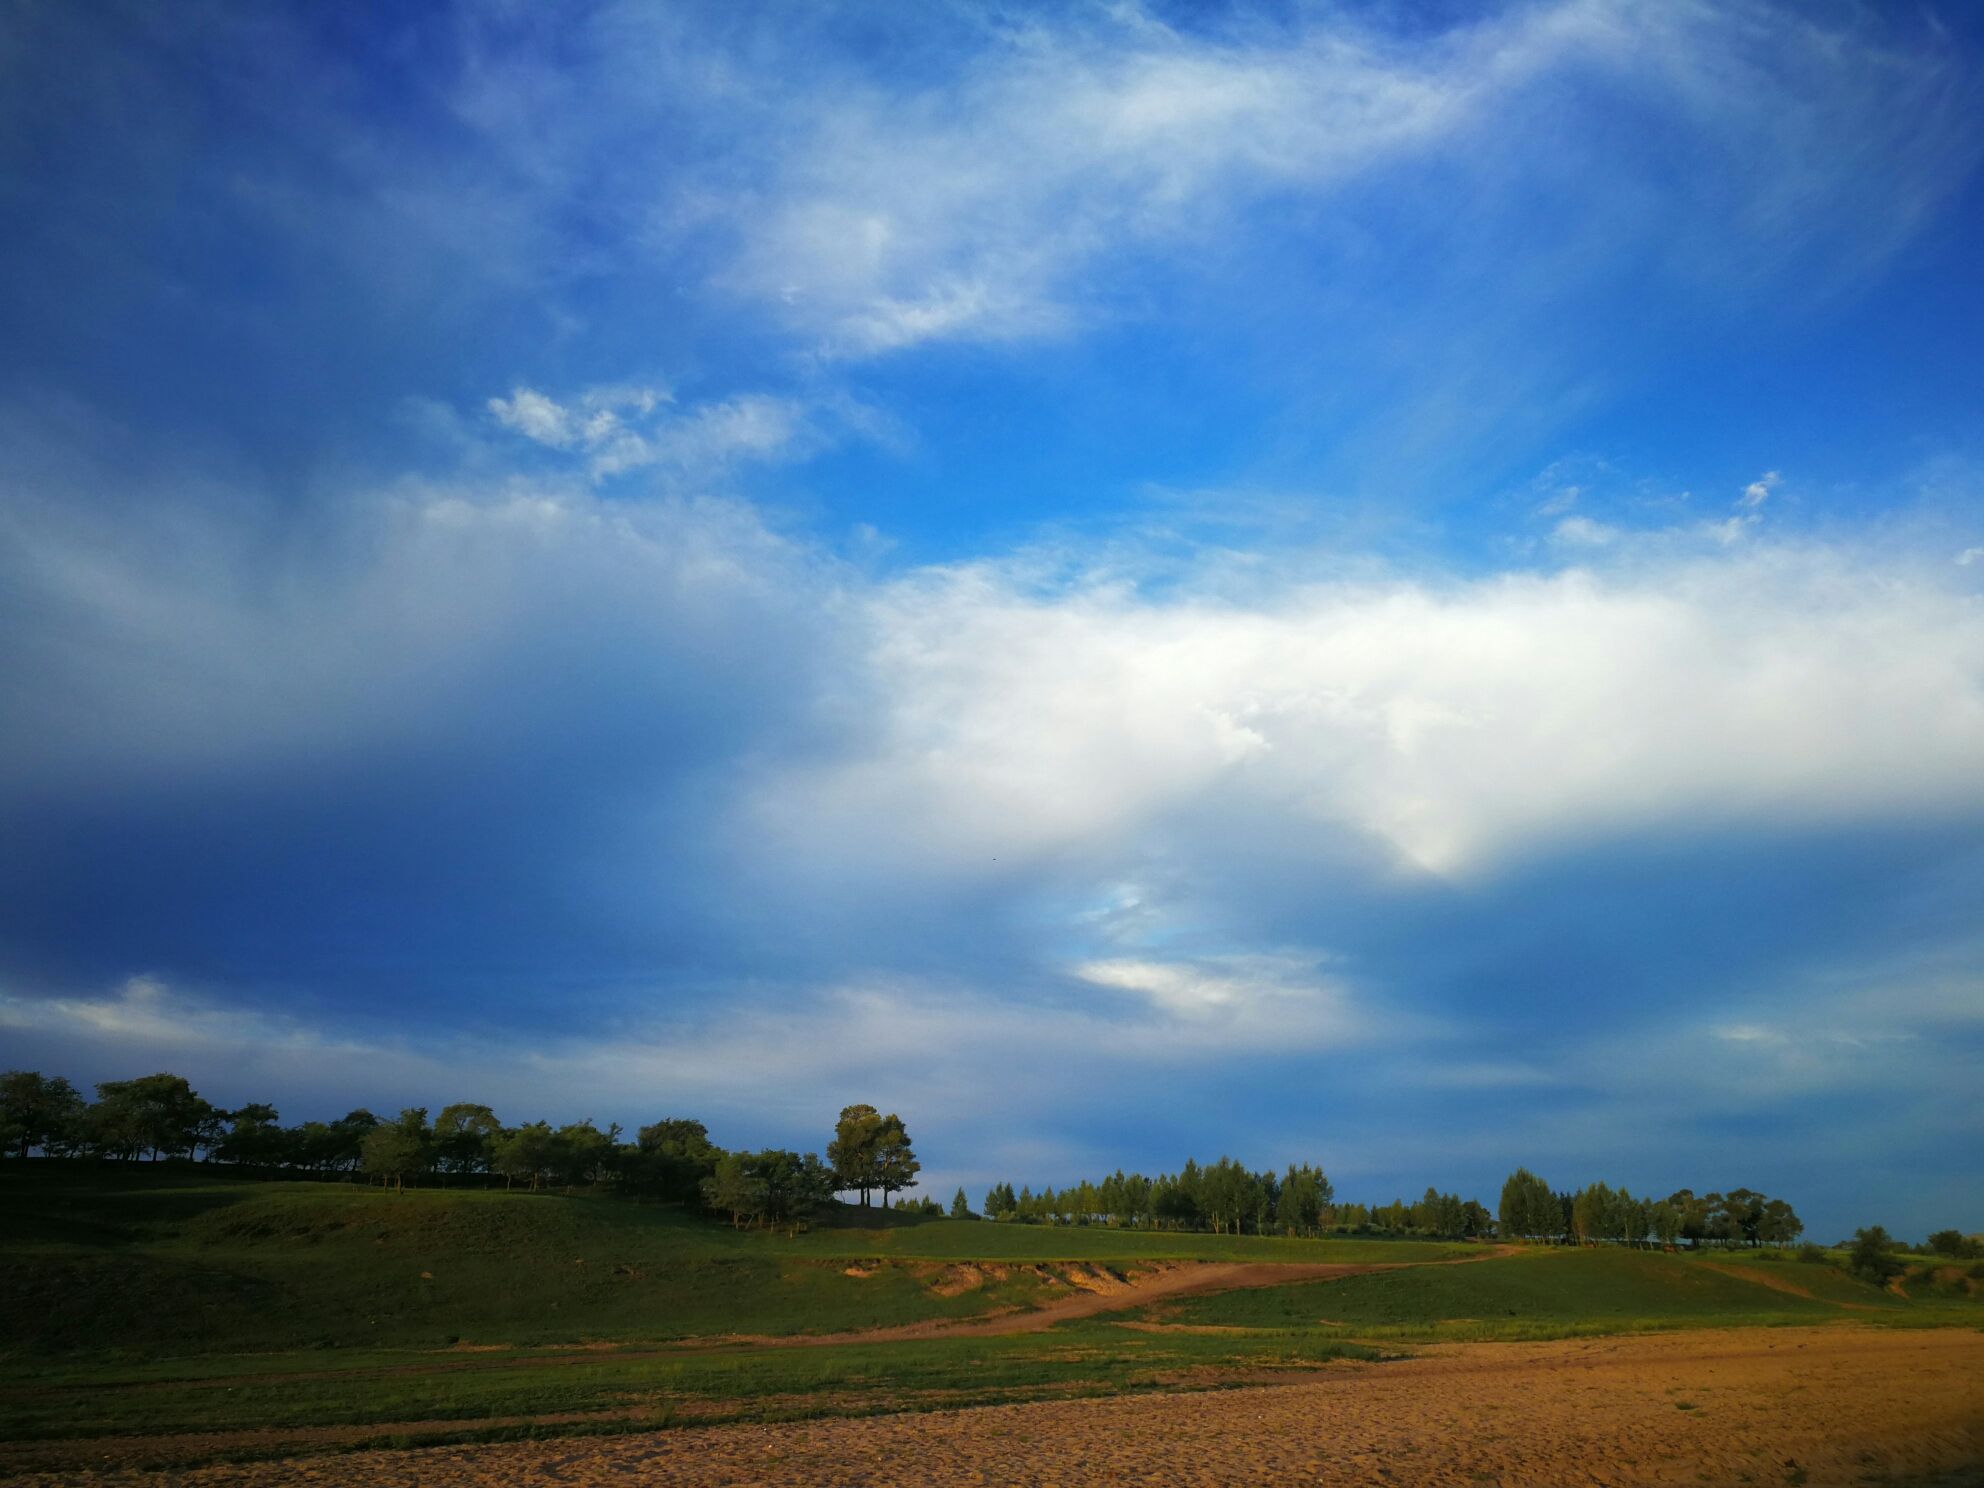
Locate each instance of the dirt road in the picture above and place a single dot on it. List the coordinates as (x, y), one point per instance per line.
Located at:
(1818, 1406)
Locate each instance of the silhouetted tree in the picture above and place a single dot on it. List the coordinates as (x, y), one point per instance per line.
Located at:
(36, 1110)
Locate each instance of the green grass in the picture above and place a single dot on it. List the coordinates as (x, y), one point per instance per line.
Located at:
(140, 1264)
(383, 1388)
(1558, 1293)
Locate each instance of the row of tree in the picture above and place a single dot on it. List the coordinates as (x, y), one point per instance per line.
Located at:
(162, 1116)
(1223, 1197)
(870, 1153)
(1227, 1197)
(1531, 1210)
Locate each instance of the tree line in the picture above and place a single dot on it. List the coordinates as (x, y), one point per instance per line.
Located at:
(869, 1155)
(161, 1116)
(1227, 1197)
(1531, 1210)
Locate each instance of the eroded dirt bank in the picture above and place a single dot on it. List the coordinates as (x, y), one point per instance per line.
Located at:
(1840, 1405)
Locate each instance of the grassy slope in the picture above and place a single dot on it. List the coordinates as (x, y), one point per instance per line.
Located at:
(1542, 1293)
(190, 1303)
(149, 1264)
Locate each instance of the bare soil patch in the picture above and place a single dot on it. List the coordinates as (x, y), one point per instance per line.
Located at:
(1820, 1406)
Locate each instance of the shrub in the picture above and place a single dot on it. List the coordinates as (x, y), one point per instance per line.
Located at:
(1812, 1255)
(1870, 1259)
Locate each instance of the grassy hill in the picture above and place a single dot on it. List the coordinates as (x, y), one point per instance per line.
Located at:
(174, 1315)
(139, 1263)
(1552, 1293)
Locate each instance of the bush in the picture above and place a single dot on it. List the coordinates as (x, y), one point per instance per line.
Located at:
(1812, 1255)
(1954, 1244)
(1870, 1259)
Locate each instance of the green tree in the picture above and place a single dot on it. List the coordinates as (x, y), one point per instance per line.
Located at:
(582, 1153)
(159, 1114)
(672, 1158)
(728, 1188)
(773, 1187)
(960, 1206)
(36, 1110)
(853, 1151)
(1954, 1244)
(398, 1149)
(895, 1164)
(1779, 1223)
(254, 1136)
(1529, 1211)
(344, 1141)
(465, 1138)
(525, 1153)
(1871, 1259)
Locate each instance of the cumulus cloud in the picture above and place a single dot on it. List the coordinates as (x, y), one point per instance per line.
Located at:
(1456, 724)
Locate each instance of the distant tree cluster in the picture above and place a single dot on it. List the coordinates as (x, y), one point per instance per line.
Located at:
(674, 1160)
(870, 1153)
(1530, 1210)
(1225, 1197)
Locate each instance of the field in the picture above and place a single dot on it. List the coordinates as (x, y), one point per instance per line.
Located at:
(175, 1318)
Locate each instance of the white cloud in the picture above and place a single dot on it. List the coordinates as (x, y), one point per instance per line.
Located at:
(536, 417)
(880, 217)
(1455, 724)
(1969, 556)
(1757, 492)
(1264, 1000)
(1583, 532)
(620, 429)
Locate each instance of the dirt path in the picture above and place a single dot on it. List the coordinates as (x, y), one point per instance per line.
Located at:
(1182, 1280)
(1154, 1286)
(1819, 1406)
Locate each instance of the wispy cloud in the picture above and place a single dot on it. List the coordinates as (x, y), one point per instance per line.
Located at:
(883, 218)
(621, 429)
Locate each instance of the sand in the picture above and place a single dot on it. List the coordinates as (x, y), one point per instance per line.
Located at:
(1837, 1405)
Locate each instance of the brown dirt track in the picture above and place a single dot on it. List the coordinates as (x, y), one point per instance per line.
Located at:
(1838, 1405)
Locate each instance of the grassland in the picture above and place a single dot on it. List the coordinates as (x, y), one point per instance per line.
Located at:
(188, 1316)
(1558, 1294)
(136, 1265)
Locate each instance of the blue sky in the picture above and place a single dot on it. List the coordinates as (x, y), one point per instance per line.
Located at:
(1389, 585)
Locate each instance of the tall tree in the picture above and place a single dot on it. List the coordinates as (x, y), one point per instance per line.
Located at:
(35, 1109)
(670, 1159)
(254, 1135)
(465, 1137)
(398, 1149)
(896, 1166)
(159, 1114)
(852, 1152)
(526, 1152)
(1529, 1210)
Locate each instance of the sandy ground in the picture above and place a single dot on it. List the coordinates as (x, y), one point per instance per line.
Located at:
(1839, 1405)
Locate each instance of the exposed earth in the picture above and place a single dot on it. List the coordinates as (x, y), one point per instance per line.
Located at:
(1835, 1405)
